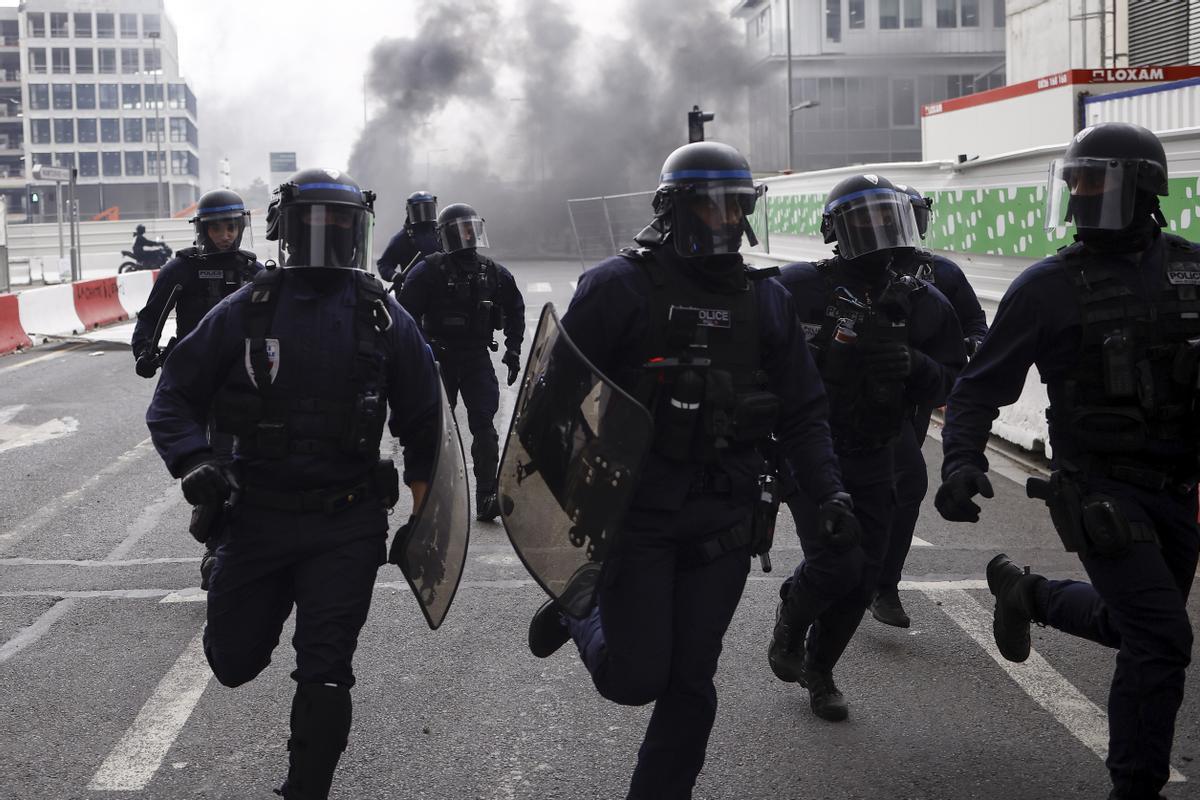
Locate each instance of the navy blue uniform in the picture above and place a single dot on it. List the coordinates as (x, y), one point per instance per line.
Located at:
(1136, 602)
(323, 562)
(406, 249)
(464, 356)
(912, 476)
(834, 587)
(656, 633)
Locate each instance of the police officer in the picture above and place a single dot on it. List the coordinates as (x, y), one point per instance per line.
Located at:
(192, 283)
(418, 239)
(912, 476)
(301, 365)
(460, 297)
(886, 344)
(669, 589)
(1113, 324)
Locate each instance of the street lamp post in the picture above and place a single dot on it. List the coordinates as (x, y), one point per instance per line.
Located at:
(791, 133)
(158, 131)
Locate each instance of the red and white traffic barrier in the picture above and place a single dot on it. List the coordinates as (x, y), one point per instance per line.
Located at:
(12, 335)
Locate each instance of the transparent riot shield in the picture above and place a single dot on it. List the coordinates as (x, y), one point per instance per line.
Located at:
(434, 551)
(570, 461)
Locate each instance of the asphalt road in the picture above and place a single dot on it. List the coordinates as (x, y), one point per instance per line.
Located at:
(105, 694)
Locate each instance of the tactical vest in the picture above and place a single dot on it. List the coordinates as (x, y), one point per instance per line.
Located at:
(210, 280)
(465, 310)
(304, 414)
(701, 372)
(919, 265)
(865, 413)
(1133, 392)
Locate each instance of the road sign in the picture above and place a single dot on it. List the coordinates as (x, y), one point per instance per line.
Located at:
(44, 173)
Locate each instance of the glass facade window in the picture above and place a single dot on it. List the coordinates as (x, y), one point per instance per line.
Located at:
(39, 96)
(833, 20)
(86, 129)
(110, 131)
(43, 159)
(59, 25)
(914, 16)
(64, 160)
(970, 13)
(64, 131)
(151, 23)
(60, 60)
(178, 129)
(35, 25)
(133, 130)
(83, 25)
(998, 16)
(154, 126)
(153, 93)
(947, 13)
(39, 131)
(61, 94)
(89, 164)
(904, 103)
(189, 100)
(889, 15)
(84, 61)
(179, 162)
(131, 95)
(129, 26)
(175, 95)
(155, 162)
(107, 58)
(85, 95)
(37, 60)
(193, 165)
(106, 28)
(110, 95)
(129, 61)
(111, 162)
(857, 13)
(152, 58)
(135, 163)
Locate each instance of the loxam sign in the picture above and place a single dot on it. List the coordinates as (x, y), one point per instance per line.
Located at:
(1127, 75)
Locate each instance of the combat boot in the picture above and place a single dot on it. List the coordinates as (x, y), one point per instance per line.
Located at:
(547, 630)
(206, 567)
(823, 695)
(1014, 590)
(786, 652)
(887, 608)
(487, 508)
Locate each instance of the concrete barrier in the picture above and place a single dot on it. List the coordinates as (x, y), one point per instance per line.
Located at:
(50, 311)
(12, 335)
(97, 302)
(133, 289)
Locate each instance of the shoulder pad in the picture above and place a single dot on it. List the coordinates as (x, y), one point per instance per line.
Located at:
(825, 264)
(637, 253)
(264, 283)
(434, 260)
(1180, 243)
(369, 284)
(1070, 251)
(762, 273)
(188, 252)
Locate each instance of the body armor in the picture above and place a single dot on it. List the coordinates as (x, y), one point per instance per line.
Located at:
(465, 311)
(212, 279)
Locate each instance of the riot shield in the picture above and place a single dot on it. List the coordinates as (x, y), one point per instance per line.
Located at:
(570, 462)
(434, 549)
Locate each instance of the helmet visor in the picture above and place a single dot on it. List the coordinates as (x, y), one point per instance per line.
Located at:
(422, 211)
(711, 218)
(325, 235)
(871, 220)
(1091, 193)
(224, 231)
(463, 234)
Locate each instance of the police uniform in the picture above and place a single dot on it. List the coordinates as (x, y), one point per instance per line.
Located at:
(406, 249)
(1111, 336)
(459, 301)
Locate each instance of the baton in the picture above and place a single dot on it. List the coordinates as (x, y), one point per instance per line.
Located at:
(162, 318)
(404, 271)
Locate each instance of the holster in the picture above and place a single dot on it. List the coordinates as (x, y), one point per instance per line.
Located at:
(386, 481)
(762, 523)
(206, 521)
(1091, 524)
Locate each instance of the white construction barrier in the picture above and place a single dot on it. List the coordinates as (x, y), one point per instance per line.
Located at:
(133, 289)
(50, 311)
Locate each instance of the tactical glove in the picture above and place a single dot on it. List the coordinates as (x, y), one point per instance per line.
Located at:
(837, 524)
(146, 365)
(208, 483)
(512, 359)
(396, 551)
(886, 361)
(971, 343)
(953, 499)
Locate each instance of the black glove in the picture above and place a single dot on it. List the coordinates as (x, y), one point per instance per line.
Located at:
(146, 365)
(953, 499)
(396, 551)
(208, 483)
(837, 524)
(512, 359)
(971, 343)
(885, 361)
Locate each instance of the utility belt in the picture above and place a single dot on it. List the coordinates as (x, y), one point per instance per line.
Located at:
(1088, 523)
(382, 484)
(755, 533)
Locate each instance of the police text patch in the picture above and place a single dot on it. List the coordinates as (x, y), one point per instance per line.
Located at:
(1183, 273)
(212, 274)
(707, 317)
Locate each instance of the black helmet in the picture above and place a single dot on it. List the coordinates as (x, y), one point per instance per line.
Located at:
(420, 207)
(705, 195)
(459, 227)
(1107, 170)
(922, 207)
(867, 213)
(323, 220)
(139, 230)
(221, 212)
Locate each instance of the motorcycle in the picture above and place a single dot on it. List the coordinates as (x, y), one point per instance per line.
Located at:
(151, 258)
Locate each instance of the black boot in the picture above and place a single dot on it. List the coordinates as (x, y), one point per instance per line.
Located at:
(887, 608)
(786, 652)
(1016, 607)
(547, 630)
(206, 566)
(823, 695)
(320, 729)
(486, 507)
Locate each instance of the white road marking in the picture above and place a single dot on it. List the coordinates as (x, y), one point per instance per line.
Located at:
(541, 287)
(30, 634)
(919, 542)
(92, 594)
(13, 435)
(20, 561)
(132, 763)
(47, 357)
(1049, 689)
(146, 522)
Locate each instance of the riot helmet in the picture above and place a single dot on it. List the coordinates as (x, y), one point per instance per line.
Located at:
(420, 208)
(705, 197)
(867, 214)
(459, 227)
(324, 219)
(221, 222)
(922, 208)
(1109, 179)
